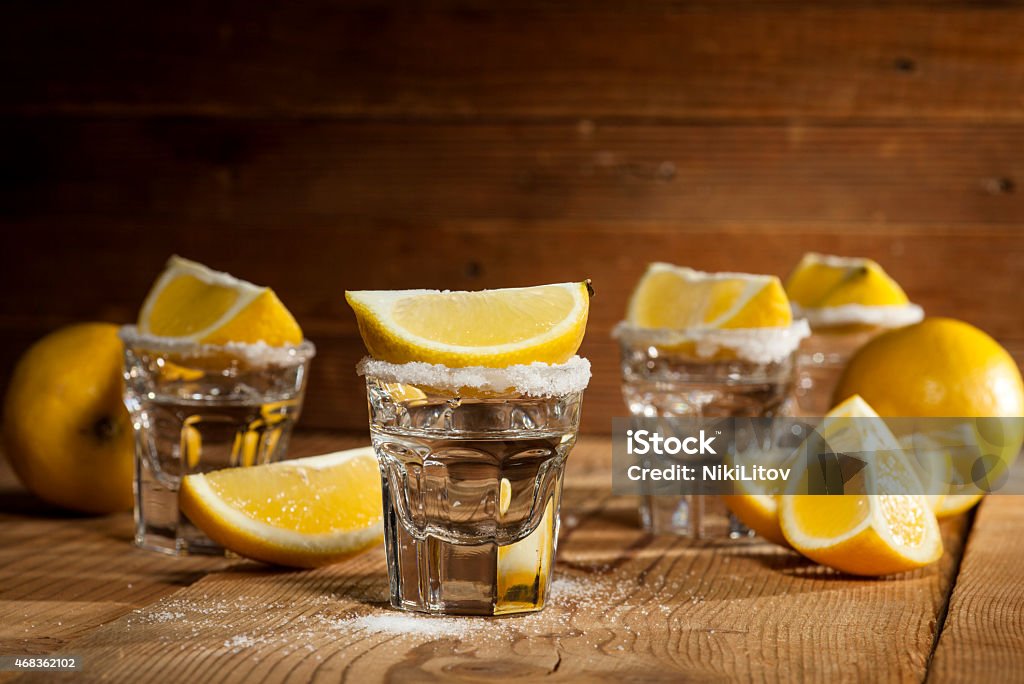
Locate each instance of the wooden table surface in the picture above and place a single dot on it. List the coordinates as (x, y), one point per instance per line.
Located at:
(625, 607)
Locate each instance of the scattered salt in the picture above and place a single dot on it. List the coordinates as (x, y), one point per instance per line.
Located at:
(396, 623)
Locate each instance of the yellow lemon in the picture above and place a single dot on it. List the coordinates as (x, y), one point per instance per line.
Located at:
(760, 512)
(194, 303)
(821, 281)
(890, 530)
(677, 298)
(937, 368)
(66, 431)
(755, 502)
(305, 512)
(940, 368)
(494, 328)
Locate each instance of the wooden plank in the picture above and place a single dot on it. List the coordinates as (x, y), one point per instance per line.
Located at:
(281, 172)
(112, 266)
(62, 576)
(983, 635)
(625, 605)
(470, 58)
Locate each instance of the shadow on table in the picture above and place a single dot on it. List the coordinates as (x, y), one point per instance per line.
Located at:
(794, 565)
(21, 503)
(348, 580)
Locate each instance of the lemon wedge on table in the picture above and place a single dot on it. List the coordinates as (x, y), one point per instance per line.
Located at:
(194, 303)
(494, 328)
(758, 510)
(890, 531)
(305, 512)
(821, 281)
(755, 502)
(676, 298)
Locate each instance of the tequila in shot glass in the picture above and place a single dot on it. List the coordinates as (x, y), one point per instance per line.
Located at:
(198, 408)
(203, 393)
(474, 404)
(471, 464)
(705, 345)
(847, 301)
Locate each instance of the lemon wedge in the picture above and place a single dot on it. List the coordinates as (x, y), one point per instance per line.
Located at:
(755, 502)
(493, 328)
(305, 512)
(760, 512)
(822, 281)
(194, 303)
(864, 534)
(953, 450)
(677, 298)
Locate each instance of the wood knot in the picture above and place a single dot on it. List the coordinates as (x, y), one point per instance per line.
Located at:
(905, 64)
(1000, 186)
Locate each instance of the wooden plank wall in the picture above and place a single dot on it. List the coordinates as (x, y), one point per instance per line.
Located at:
(321, 146)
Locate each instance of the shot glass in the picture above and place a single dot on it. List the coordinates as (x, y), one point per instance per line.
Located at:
(703, 373)
(197, 408)
(471, 463)
(836, 333)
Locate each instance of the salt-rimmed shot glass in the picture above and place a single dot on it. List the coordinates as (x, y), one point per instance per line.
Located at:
(471, 462)
(197, 408)
(705, 373)
(836, 333)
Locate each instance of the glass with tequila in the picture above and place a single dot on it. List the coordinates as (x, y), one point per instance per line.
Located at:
(197, 408)
(471, 462)
(704, 373)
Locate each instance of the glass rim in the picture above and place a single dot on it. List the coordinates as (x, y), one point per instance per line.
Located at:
(534, 380)
(256, 353)
(883, 316)
(757, 345)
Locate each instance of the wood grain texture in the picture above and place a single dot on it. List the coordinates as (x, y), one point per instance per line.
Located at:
(283, 173)
(61, 575)
(983, 635)
(628, 607)
(470, 58)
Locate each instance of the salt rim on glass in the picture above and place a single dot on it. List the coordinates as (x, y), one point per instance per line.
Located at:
(852, 314)
(534, 380)
(257, 354)
(756, 345)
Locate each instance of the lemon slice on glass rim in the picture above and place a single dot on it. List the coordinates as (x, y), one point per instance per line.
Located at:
(834, 291)
(190, 302)
(487, 328)
(711, 315)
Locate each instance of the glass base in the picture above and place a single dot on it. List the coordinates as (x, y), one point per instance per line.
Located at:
(165, 541)
(430, 575)
(159, 523)
(695, 516)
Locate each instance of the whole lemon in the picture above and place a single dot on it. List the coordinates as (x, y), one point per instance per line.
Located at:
(943, 368)
(939, 367)
(67, 433)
